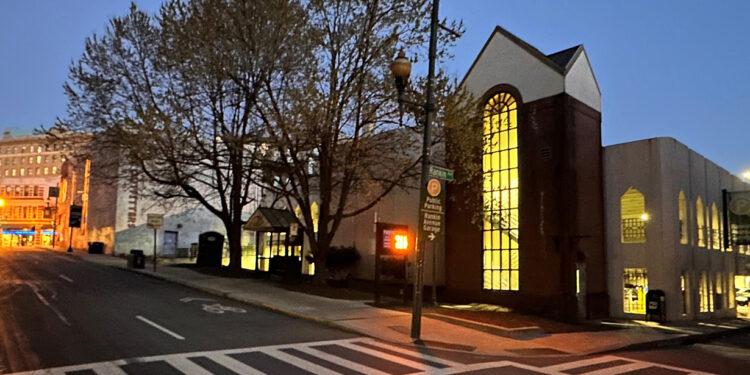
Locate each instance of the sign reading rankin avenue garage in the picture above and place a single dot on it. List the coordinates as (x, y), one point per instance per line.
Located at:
(432, 207)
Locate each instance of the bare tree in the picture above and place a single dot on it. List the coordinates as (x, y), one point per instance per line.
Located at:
(173, 97)
(333, 122)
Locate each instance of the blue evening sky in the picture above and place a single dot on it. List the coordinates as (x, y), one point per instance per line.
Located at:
(665, 68)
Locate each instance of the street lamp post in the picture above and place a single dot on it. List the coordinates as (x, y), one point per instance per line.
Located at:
(401, 68)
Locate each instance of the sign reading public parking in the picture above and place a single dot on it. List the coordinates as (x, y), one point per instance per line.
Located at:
(74, 219)
(432, 211)
(155, 221)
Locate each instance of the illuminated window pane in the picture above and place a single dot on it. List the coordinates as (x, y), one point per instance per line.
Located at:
(683, 217)
(635, 287)
(633, 216)
(500, 198)
(700, 217)
(715, 236)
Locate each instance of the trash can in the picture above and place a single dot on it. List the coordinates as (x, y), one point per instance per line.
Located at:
(656, 306)
(136, 259)
(210, 247)
(96, 247)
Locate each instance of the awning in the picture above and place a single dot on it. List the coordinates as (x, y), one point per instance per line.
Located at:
(266, 219)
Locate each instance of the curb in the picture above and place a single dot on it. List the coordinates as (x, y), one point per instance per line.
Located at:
(675, 341)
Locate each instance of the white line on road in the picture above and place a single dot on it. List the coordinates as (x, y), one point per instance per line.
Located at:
(43, 300)
(160, 328)
(68, 279)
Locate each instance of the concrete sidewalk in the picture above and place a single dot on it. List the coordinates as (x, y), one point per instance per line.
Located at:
(394, 326)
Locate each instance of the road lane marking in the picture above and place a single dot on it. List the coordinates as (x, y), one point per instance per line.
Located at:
(187, 366)
(43, 300)
(68, 279)
(301, 363)
(235, 365)
(340, 361)
(160, 328)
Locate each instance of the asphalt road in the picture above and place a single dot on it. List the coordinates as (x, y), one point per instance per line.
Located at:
(61, 315)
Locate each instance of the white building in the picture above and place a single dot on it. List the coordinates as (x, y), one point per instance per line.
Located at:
(665, 231)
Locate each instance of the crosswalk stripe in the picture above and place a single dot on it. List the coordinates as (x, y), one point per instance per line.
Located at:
(388, 357)
(187, 366)
(620, 369)
(581, 363)
(234, 365)
(301, 363)
(107, 368)
(340, 361)
(414, 352)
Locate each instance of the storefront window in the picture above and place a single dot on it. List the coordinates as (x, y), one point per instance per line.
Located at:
(635, 287)
(500, 194)
(682, 203)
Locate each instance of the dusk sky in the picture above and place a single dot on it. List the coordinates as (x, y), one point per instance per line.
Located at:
(665, 68)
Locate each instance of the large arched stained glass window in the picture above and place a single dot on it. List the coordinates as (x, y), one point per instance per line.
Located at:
(500, 193)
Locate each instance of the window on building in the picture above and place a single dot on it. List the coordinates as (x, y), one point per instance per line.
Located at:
(31, 159)
(13, 173)
(731, 293)
(700, 219)
(500, 194)
(719, 286)
(684, 292)
(54, 170)
(635, 287)
(22, 171)
(682, 207)
(46, 171)
(703, 293)
(633, 216)
(39, 159)
(315, 213)
(715, 236)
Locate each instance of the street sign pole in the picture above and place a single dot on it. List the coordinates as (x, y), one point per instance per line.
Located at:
(70, 240)
(154, 249)
(154, 221)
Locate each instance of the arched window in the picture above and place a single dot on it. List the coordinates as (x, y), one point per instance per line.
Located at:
(500, 193)
(715, 234)
(682, 207)
(633, 216)
(700, 220)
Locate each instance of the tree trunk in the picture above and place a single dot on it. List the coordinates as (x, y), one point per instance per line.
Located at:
(234, 239)
(320, 254)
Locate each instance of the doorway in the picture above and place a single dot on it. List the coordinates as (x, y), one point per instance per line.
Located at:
(169, 247)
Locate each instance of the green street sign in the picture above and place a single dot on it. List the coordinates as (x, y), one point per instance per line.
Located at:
(441, 173)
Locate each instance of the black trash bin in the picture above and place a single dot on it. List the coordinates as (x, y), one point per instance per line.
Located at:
(136, 259)
(210, 247)
(656, 306)
(96, 247)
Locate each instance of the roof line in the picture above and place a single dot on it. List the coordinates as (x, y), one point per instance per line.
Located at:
(518, 41)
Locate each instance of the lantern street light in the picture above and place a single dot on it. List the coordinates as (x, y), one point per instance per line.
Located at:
(401, 68)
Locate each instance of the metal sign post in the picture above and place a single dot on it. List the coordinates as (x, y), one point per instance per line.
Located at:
(54, 191)
(155, 221)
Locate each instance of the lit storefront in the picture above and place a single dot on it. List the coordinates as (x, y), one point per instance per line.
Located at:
(273, 238)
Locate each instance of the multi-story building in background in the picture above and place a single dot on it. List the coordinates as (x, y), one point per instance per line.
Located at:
(29, 166)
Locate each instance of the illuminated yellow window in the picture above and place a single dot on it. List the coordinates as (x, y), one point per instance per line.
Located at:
(633, 216)
(500, 194)
(314, 212)
(715, 228)
(682, 203)
(635, 287)
(703, 293)
(700, 219)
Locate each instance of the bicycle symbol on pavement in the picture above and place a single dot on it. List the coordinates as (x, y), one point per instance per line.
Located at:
(217, 308)
(214, 308)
